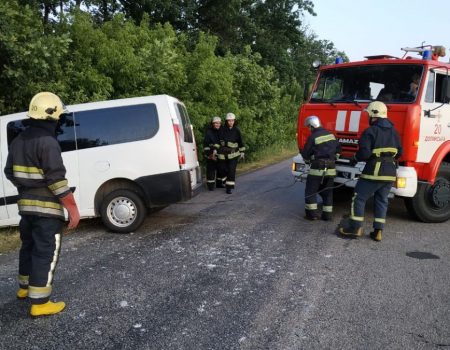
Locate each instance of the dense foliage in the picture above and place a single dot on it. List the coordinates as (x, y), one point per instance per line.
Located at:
(249, 57)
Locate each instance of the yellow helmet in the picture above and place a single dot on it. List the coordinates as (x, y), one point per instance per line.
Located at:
(46, 106)
(377, 109)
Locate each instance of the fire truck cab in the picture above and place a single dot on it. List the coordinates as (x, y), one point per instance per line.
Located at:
(417, 94)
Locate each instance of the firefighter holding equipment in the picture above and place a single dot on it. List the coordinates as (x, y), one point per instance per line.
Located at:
(320, 151)
(36, 168)
(380, 148)
(211, 145)
(230, 151)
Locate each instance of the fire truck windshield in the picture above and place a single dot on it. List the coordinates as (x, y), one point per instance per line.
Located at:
(390, 83)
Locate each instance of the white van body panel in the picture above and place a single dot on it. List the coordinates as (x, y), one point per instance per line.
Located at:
(89, 169)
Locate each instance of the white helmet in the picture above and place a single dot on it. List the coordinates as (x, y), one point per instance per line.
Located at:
(377, 109)
(216, 120)
(230, 116)
(313, 121)
(46, 106)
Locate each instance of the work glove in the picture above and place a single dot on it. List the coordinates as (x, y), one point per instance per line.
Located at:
(68, 202)
(242, 156)
(353, 161)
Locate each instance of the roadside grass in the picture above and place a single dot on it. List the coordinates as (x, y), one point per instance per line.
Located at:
(267, 157)
(9, 239)
(9, 236)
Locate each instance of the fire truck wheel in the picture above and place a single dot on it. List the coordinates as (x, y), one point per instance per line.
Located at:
(123, 211)
(432, 202)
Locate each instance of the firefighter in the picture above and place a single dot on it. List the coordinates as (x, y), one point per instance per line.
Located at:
(211, 145)
(380, 148)
(230, 151)
(320, 151)
(35, 167)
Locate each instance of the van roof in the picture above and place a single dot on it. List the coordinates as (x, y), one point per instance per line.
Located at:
(111, 103)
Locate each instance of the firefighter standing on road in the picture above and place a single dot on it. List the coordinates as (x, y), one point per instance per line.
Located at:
(380, 148)
(35, 167)
(211, 145)
(230, 151)
(321, 150)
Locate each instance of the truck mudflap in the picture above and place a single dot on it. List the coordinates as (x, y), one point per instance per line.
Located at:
(405, 185)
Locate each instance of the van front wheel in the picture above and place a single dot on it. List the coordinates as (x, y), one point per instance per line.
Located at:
(123, 211)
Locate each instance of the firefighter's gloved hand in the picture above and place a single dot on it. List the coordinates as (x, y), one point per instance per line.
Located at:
(242, 156)
(68, 202)
(353, 161)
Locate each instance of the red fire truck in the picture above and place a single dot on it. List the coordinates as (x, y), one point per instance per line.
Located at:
(416, 91)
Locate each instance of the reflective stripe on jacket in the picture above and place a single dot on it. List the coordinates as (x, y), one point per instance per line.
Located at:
(35, 167)
(321, 150)
(231, 145)
(211, 141)
(379, 147)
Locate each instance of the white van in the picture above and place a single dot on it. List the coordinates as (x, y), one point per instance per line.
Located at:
(122, 157)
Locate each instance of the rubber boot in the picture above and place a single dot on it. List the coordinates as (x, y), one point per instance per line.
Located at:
(229, 191)
(22, 293)
(211, 186)
(219, 184)
(326, 216)
(49, 308)
(376, 235)
(351, 232)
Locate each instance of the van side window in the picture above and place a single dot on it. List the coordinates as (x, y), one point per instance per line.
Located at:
(109, 126)
(13, 129)
(64, 131)
(183, 117)
(429, 95)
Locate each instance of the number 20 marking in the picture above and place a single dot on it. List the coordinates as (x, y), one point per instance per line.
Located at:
(437, 129)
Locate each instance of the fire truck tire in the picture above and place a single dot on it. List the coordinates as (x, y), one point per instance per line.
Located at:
(432, 202)
(123, 211)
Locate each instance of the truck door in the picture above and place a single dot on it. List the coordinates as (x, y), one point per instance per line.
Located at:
(435, 119)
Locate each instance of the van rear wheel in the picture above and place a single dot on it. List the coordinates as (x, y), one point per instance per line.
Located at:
(123, 211)
(432, 202)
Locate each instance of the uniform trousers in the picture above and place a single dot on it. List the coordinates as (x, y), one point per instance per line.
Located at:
(38, 256)
(364, 190)
(324, 185)
(228, 168)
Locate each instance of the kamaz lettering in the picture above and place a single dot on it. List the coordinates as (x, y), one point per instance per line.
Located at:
(349, 141)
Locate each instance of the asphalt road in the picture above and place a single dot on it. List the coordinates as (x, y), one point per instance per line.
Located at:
(242, 271)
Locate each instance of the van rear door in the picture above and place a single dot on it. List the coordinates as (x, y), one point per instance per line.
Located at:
(188, 144)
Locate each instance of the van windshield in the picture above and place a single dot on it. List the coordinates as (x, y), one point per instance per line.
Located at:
(390, 83)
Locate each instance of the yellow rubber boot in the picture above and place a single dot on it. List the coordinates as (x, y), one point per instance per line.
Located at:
(22, 293)
(49, 308)
(376, 235)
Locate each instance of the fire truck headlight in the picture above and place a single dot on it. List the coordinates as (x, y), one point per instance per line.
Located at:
(401, 182)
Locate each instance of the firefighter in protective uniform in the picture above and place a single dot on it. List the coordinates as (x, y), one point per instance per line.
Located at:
(36, 168)
(230, 151)
(211, 145)
(321, 151)
(380, 148)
